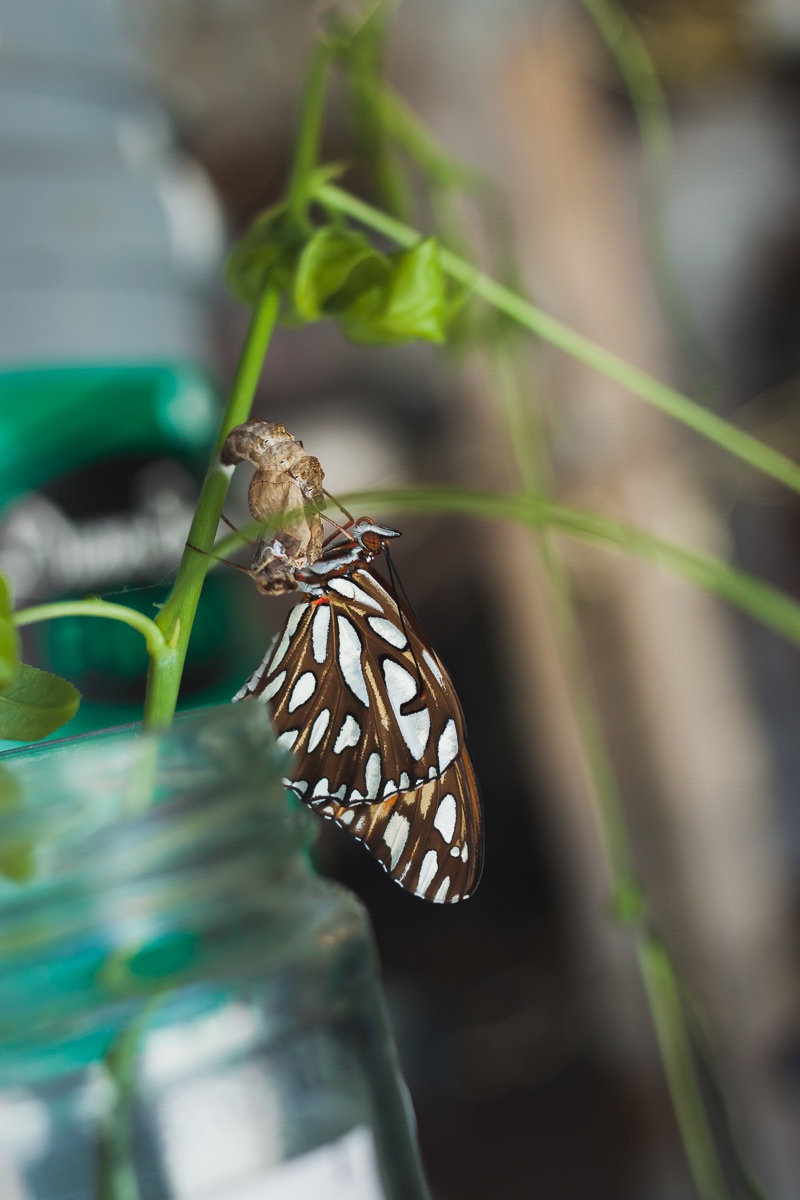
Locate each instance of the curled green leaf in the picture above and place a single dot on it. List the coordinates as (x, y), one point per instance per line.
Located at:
(332, 263)
(264, 256)
(9, 639)
(36, 704)
(410, 305)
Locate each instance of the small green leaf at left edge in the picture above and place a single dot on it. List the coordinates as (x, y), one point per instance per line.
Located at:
(36, 704)
(411, 305)
(9, 639)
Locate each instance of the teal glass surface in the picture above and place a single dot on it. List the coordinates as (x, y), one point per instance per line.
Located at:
(186, 1009)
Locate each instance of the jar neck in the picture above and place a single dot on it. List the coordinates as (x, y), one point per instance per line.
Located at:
(129, 858)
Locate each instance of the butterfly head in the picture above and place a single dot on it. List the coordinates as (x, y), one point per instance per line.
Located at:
(371, 537)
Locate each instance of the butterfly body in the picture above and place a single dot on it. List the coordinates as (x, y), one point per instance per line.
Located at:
(373, 721)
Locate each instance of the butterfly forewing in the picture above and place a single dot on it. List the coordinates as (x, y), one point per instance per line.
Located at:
(377, 733)
(354, 687)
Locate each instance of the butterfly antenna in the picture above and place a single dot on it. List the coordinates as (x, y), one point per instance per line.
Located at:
(217, 558)
(235, 529)
(341, 508)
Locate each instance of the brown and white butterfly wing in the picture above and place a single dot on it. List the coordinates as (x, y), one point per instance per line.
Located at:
(359, 697)
(374, 723)
(429, 840)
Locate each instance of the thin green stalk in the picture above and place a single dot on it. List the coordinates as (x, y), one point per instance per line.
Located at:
(176, 617)
(116, 1174)
(94, 607)
(360, 57)
(532, 469)
(737, 443)
(663, 993)
(652, 118)
(309, 134)
(629, 904)
(766, 604)
(406, 128)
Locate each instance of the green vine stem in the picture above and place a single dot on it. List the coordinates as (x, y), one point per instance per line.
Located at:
(309, 134)
(766, 604)
(176, 617)
(737, 443)
(672, 1034)
(94, 607)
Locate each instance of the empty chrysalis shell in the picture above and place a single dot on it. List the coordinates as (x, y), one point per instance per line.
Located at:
(286, 485)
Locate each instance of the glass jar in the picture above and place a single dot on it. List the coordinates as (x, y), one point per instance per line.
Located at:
(186, 1010)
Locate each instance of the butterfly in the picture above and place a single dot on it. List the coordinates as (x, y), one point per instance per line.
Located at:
(367, 708)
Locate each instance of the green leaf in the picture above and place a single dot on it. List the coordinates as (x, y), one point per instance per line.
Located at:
(17, 855)
(330, 260)
(411, 305)
(9, 639)
(36, 704)
(265, 255)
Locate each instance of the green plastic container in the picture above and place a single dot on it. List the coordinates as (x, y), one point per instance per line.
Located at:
(100, 467)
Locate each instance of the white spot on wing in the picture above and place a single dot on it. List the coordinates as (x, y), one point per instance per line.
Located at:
(378, 589)
(390, 787)
(448, 745)
(444, 887)
(321, 788)
(343, 587)
(364, 598)
(400, 688)
(348, 735)
(404, 783)
(464, 852)
(430, 865)
(320, 626)
(388, 631)
(434, 666)
(292, 621)
(455, 851)
(288, 738)
(350, 658)
(372, 772)
(347, 816)
(396, 835)
(318, 729)
(273, 687)
(300, 786)
(303, 690)
(445, 819)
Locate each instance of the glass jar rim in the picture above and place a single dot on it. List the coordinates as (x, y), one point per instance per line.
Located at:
(126, 855)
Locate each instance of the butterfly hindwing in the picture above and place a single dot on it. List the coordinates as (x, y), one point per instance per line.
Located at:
(429, 840)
